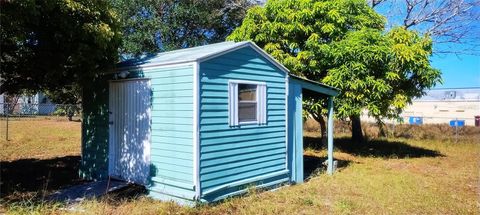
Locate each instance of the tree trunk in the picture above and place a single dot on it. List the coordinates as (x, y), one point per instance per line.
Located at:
(357, 133)
(383, 129)
(323, 127)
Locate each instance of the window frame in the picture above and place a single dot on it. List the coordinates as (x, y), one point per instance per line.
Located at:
(257, 102)
(248, 102)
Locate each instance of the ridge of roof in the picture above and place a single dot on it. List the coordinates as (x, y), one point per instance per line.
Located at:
(180, 55)
(205, 52)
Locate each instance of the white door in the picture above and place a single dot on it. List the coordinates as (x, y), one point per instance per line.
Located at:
(130, 127)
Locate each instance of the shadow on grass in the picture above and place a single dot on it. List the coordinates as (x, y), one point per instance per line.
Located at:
(313, 165)
(129, 193)
(373, 148)
(23, 176)
(30, 179)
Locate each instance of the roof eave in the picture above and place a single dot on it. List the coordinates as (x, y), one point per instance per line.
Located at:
(243, 45)
(316, 86)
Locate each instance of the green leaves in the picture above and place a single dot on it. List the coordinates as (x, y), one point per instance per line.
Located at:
(50, 44)
(342, 43)
(152, 26)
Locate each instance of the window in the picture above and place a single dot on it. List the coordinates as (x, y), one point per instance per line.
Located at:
(247, 103)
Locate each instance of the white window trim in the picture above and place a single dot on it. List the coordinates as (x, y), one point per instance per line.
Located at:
(261, 115)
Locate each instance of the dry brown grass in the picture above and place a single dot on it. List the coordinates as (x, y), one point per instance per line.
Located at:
(416, 132)
(40, 138)
(386, 176)
(41, 156)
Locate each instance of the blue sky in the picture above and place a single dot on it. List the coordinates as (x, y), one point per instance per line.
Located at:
(458, 71)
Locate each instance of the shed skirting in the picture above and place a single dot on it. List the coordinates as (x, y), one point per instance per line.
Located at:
(270, 180)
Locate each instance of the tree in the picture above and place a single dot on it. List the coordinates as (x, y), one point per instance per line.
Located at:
(68, 100)
(380, 73)
(162, 25)
(49, 44)
(446, 21)
(68, 95)
(342, 43)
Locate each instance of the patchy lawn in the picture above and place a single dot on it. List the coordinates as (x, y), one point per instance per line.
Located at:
(41, 156)
(387, 176)
(40, 139)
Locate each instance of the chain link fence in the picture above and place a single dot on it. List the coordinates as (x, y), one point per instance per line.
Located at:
(35, 111)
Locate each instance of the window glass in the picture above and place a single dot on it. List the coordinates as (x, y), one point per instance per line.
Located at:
(247, 102)
(247, 92)
(247, 112)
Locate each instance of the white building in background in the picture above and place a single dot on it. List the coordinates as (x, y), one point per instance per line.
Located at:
(2, 101)
(442, 106)
(36, 104)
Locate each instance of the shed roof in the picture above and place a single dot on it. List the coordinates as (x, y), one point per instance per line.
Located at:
(182, 55)
(315, 86)
(201, 53)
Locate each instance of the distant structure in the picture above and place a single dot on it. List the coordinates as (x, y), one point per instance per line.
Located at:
(445, 105)
(441, 106)
(36, 104)
(2, 101)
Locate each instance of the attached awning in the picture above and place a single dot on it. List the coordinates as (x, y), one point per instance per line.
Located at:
(316, 89)
(315, 86)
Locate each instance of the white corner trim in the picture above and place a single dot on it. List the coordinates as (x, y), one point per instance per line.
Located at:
(196, 130)
(287, 94)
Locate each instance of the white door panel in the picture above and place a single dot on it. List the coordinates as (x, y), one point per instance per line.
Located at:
(130, 120)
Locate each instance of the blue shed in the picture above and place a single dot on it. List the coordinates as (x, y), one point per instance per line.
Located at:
(199, 124)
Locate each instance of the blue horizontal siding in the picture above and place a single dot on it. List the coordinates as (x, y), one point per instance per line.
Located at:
(170, 159)
(225, 127)
(172, 132)
(241, 157)
(234, 132)
(175, 191)
(207, 81)
(231, 154)
(253, 171)
(248, 162)
(233, 170)
(240, 144)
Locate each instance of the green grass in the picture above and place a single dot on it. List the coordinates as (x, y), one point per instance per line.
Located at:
(386, 176)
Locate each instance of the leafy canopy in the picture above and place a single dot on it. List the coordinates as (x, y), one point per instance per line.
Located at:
(161, 25)
(342, 43)
(49, 44)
